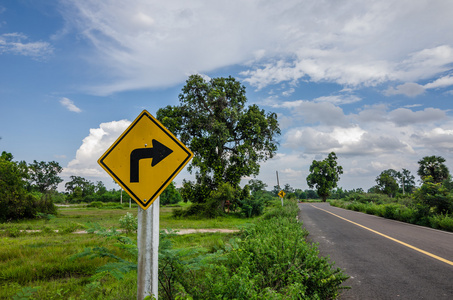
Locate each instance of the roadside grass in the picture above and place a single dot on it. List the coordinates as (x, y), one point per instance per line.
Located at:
(398, 211)
(35, 261)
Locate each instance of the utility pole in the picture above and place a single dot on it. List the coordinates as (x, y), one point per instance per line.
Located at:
(278, 184)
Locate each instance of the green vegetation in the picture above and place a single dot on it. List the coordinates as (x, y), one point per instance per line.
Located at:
(35, 254)
(228, 139)
(410, 208)
(324, 175)
(396, 197)
(23, 193)
(267, 259)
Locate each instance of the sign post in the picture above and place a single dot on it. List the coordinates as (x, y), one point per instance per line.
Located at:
(148, 251)
(143, 161)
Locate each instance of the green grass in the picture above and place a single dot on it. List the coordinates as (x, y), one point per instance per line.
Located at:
(42, 259)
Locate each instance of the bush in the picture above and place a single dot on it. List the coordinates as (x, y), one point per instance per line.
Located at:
(97, 204)
(270, 260)
(444, 222)
(129, 223)
(209, 209)
(251, 207)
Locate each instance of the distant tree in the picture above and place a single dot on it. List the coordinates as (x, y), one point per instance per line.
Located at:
(229, 139)
(276, 190)
(170, 195)
(406, 181)
(44, 175)
(311, 194)
(300, 194)
(324, 175)
(338, 193)
(433, 166)
(15, 201)
(386, 182)
(79, 187)
(100, 188)
(288, 189)
(256, 185)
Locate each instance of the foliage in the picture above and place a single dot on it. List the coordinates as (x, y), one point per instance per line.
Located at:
(44, 175)
(170, 195)
(270, 259)
(433, 166)
(442, 221)
(434, 196)
(228, 139)
(224, 192)
(252, 204)
(324, 175)
(414, 209)
(129, 223)
(15, 201)
(407, 181)
(387, 182)
(25, 293)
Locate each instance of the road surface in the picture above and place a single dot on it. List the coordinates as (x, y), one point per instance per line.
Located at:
(385, 259)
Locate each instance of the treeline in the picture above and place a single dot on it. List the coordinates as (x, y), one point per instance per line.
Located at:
(395, 195)
(27, 190)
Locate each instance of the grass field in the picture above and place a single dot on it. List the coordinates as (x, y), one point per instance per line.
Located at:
(35, 260)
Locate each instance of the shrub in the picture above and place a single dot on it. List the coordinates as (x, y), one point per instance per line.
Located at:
(444, 222)
(97, 204)
(270, 259)
(129, 223)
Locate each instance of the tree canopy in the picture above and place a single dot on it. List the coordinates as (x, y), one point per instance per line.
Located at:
(45, 175)
(433, 166)
(228, 138)
(324, 175)
(387, 182)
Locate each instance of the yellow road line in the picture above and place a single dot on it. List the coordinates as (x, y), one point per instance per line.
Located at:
(390, 238)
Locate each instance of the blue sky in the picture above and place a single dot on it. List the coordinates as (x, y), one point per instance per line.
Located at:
(370, 80)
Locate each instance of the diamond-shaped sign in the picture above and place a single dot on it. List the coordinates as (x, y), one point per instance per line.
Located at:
(281, 194)
(145, 159)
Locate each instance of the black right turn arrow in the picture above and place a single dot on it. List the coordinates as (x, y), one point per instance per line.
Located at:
(158, 152)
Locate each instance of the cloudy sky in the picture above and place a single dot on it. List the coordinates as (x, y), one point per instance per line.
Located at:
(370, 80)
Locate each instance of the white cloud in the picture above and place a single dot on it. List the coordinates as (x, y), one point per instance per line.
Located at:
(144, 44)
(17, 43)
(69, 104)
(324, 113)
(339, 99)
(440, 83)
(292, 173)
(404, 116)
(93, 146)
(409, 89)
(437, 139)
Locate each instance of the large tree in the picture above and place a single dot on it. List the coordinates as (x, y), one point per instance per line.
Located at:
(433, 166)
(324, 175)
(228, 138)
(387, 182)
(44, 175)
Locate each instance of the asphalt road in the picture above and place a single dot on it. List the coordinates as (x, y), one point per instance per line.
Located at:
(385, 259)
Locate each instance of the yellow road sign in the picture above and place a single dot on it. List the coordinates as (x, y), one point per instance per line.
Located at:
(281, 194)
(145, 159)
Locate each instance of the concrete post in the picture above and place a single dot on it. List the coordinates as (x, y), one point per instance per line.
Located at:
(148, 246)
